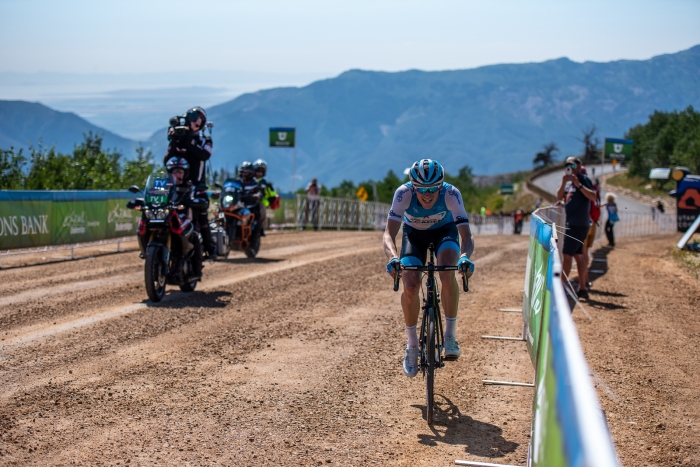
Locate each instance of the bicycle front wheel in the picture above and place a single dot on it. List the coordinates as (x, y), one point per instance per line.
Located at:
(430, 353)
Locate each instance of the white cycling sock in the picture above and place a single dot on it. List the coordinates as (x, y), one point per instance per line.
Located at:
(450, 324)
(412, 336)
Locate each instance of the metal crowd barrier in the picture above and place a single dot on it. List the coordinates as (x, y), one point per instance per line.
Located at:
(340, 213)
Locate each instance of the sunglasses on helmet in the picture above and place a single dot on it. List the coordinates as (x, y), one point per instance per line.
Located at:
(427, 189)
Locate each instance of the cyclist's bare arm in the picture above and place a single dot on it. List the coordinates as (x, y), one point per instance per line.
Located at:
(467, 243)
(389, 239)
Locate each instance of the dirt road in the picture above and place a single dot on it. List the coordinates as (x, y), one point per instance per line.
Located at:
(642, 346)
(295, 359)
(292, 359)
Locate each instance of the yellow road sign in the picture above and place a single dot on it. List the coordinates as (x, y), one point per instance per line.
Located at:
(362, 194)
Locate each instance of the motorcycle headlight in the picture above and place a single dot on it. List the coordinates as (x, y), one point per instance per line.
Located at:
(226, 202)
(161, 215)
(149, 214)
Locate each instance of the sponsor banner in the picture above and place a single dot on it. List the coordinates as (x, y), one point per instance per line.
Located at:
(78, 221)
(687, 201)
(25, 224)
(282, 137)
(536, 295)
(618, 148)
(568, 426)
(120, 221)
(42, 218)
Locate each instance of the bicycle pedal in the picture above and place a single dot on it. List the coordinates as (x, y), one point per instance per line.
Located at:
(450, 358)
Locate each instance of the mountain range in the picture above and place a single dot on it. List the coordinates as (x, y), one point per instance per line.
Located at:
(495, 118)
(25, 123)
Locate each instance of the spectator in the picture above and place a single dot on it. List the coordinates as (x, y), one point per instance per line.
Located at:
(313, 196)
(660, 206)
(518, 216)
(577, 191)
(613, 217)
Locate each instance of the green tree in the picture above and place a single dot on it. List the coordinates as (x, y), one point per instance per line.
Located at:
(387, 187)
(346, 189)
(137, 171)
(591, 144)
(92, 168)
(11, 164)
(547, 156)
(49, 170)
(668, 139)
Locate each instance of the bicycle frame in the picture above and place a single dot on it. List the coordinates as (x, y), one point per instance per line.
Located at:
(431, 334)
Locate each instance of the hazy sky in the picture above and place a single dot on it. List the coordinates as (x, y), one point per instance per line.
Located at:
(309, 36)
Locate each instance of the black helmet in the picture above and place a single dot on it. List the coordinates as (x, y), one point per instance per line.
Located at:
(177, 163)
(194, 113)
(260, 164)
(246, 167)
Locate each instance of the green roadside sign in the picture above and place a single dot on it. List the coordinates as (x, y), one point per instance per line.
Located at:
(507, 189)
(618, 148)
(282, 137)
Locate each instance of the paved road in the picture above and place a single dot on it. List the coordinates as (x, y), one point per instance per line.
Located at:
(551, 182)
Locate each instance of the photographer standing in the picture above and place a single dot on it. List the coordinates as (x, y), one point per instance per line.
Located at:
(187, 141)
(577, 191)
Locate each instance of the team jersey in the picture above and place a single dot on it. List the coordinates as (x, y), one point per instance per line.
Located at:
(449, 208)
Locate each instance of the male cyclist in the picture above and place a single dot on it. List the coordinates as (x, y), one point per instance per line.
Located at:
(432, 211)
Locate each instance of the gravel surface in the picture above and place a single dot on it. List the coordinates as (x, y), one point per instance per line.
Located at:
(295, 359)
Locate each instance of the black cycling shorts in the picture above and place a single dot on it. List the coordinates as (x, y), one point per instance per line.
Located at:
(414, 245)
(574, 238)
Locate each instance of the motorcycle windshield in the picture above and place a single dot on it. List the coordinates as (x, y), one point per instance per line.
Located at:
(232, 185)
(230, 193)
(158, 189)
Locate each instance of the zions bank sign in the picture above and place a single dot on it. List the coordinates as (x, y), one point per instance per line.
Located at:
(33, 219)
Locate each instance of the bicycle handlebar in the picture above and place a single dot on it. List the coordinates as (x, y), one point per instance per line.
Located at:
(397, 277)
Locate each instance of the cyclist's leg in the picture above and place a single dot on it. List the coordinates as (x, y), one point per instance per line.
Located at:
(413, 253)
(447, 247)
(448, 255)
(410, 298)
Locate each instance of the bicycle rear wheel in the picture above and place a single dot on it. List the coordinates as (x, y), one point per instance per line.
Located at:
(430, 360)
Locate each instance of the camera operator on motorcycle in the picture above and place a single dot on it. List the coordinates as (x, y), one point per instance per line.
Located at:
(252, 196)
(269, 195)
(431, 211)
(179, 168)
(187, 141)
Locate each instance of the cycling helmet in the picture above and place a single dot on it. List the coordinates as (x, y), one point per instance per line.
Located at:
(426, 172)
(194, 113)
(246, 167)
(177, 163)
(260, 164)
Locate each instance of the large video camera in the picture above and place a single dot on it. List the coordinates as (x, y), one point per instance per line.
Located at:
(178, 128)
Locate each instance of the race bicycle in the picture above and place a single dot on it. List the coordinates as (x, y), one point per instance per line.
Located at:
(430, 343)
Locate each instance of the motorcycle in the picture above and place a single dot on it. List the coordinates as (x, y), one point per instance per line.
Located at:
(166, 235)
(234, 225)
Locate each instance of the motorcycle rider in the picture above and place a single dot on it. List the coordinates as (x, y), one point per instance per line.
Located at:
(187, 141)
(269, 195)
(252, 196)
(179, 168)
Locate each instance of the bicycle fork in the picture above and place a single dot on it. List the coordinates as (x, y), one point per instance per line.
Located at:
(431, 301)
